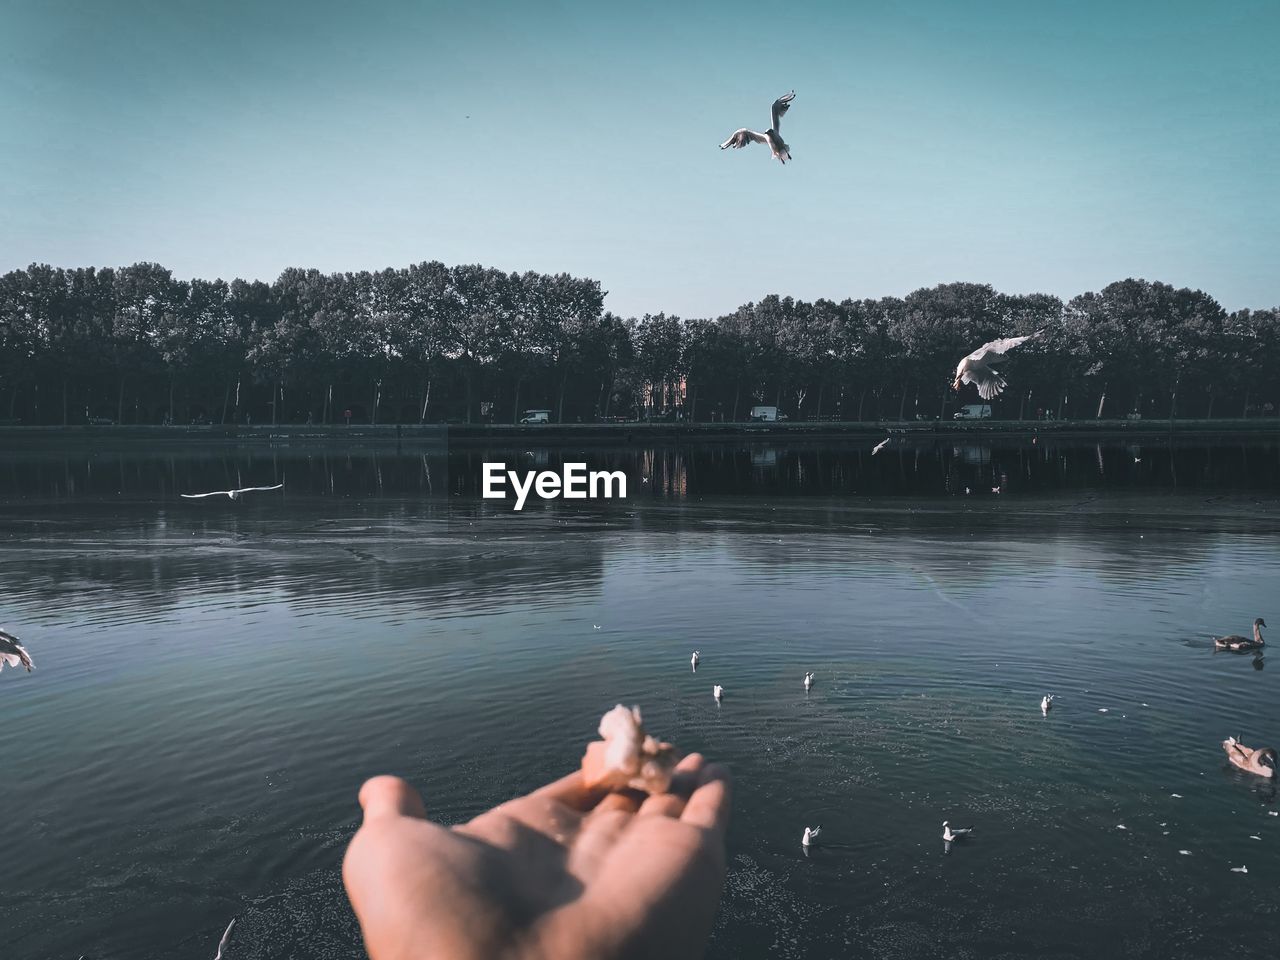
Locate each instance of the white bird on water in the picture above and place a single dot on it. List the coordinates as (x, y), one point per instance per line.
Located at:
(975, 368)
(717, 691)
(1045, 703)
(693, 661)
(810, 835)
(1240, 869)
(13, 652)
(881, 445)
(742, 136)
(226, 938)
(233, 494)
(808, 680)
(950, 833)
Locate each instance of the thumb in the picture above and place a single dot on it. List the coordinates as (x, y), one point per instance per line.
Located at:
(387, 796)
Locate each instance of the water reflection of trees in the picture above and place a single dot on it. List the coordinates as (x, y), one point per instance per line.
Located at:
(411, 564)
(922, 469)
(407, 529)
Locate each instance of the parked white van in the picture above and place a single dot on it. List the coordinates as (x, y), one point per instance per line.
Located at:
(536, 416)
(766, 414)
(973, 411)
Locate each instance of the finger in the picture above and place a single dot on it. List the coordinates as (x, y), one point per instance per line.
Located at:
(624, 801)
(688, 775)
(708, 807)
(390, 797)
(662, 805)
(571, 791)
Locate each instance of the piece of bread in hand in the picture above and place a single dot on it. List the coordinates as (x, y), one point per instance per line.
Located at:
(627, 757)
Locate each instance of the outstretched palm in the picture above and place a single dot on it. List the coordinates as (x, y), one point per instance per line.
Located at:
(562, 872)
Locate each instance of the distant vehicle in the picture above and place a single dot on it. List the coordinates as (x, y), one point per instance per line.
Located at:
(973, 411)
(1133, 416)
(536, 416)
(766, 414)
(101, 421)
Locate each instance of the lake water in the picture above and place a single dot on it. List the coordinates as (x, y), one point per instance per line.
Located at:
(216, 679)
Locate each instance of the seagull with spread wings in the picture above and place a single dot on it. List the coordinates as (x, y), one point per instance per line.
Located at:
(13, 652)
(976, 367)
(742, 136)
(226, 938)
(233, 494)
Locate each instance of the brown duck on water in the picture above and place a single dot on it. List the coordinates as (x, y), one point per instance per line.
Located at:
(1261, 761)
(1235, 642)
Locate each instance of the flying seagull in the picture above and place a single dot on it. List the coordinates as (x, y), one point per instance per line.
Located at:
(975, 368)
(226, 937)
(742, 136)
(233, 494)
(808, 680)
(14, 653)
(881, 445)
(950, 833)
(810, 835)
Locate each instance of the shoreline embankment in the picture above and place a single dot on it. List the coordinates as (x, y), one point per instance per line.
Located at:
(614, 434)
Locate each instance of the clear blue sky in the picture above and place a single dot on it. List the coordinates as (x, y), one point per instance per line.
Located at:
(1036, 146)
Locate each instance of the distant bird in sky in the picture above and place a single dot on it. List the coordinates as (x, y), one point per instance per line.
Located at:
(950, 833)
(717, 691)
(976, 367)
(693, 661)
(226, 938)
(995, 489)
(810, 835)
(742, 136)
(13, 652)
(233, 494)
(1045, 703)
(880, 446)
(808, 680)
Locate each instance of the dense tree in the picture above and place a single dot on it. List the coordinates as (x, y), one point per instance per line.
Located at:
(432, 342)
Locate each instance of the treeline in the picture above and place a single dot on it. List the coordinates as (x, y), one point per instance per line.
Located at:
(433, 343)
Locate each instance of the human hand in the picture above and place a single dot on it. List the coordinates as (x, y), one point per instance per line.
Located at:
(563, 872)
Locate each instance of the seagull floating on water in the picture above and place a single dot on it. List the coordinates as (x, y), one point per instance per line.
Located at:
(975, 368)
(226, 938)
(810, 835)
(1240, 869)
(233, 494)
(771, 137)
(950, 833)
(13, 652)
(693, 661)
(808, 680)
(1045, 703)
(717, 691)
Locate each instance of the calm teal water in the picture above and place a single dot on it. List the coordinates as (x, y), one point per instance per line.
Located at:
(215, 680)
